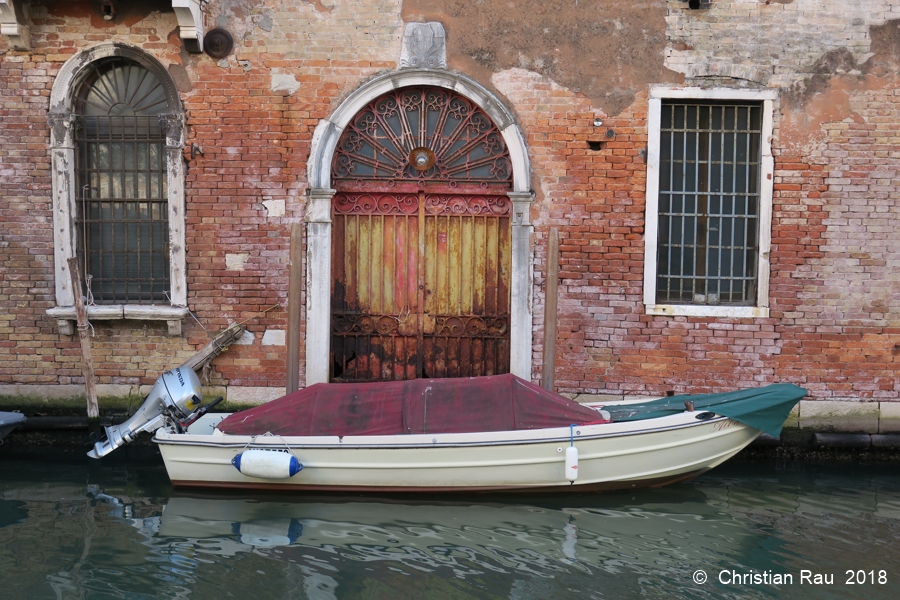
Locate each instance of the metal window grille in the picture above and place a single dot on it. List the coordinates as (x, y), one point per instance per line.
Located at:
(122, 208)
(708, 202)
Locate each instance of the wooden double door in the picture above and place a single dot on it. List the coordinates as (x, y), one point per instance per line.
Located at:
(421, 241)
(420, 284)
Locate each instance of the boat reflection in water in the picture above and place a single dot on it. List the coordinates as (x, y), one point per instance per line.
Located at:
(127, 536)
(521, 550)
(429, 531)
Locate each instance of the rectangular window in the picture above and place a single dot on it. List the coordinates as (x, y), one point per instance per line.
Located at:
(708, 203)
(122, 209)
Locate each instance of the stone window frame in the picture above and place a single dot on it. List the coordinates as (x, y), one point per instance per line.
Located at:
(318, 213)
(61, 118)
(760, 309)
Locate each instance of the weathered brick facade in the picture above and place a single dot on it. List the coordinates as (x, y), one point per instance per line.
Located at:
(832, 323)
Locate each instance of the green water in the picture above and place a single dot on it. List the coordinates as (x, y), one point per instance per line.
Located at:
(72, 528)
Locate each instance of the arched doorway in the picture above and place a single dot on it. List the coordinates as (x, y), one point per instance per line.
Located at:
(421, 245)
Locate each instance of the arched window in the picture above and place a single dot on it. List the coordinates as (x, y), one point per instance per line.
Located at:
(117, 134)
(122, 223)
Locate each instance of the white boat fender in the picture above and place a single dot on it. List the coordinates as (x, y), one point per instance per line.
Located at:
(571, 457)
(267, 464)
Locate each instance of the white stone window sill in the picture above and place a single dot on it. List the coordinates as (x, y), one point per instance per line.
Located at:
(696, 310)
(65, 315)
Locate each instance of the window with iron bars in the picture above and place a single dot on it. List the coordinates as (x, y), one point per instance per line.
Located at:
(708, 202)
(122, 208)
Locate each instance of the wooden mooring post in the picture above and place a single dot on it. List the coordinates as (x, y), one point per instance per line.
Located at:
(551, 286)
(90, 386)
(295, 278)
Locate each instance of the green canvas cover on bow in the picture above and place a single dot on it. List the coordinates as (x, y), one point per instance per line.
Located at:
(764, 408)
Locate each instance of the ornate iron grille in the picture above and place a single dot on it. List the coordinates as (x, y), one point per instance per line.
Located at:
(420, 285)
(408, 204)
(423, 134)
(122, 210)
(708, 202)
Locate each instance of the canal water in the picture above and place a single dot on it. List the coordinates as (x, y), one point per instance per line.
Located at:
(71, 528)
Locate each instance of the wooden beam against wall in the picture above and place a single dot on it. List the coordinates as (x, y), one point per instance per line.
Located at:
(551, 285)
(87, 366)
(295, 279)
(202, 359)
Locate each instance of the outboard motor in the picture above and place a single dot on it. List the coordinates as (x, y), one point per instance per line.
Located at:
(173, 398)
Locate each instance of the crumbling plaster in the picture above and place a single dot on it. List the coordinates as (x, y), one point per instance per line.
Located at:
(324, 30)
(607, 51)
(816, 51)
(823, 93)
(769, 43)
(127, 13)
(155, 19)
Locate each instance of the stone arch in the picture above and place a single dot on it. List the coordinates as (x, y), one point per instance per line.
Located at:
(318, 212)
(66, 82)
(329, 130)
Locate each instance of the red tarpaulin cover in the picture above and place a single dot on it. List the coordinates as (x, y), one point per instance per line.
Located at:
(496, 403)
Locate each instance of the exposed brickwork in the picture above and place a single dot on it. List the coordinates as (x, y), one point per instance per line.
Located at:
(27, 343)
(596, 198)
(834, 287)
(837, 281)
(256, 143)
(833, 324)
(31, 349)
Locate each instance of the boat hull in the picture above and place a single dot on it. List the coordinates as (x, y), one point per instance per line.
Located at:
(612, 456)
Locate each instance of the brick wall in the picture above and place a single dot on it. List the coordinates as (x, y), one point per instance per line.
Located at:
(833, 323)
(597, 199)
(837, 279)
(27, 345)
(254, 114)
(833, 326)
(31, 349)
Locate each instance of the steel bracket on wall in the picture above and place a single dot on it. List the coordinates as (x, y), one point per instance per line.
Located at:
(13, 19)
(190, 24)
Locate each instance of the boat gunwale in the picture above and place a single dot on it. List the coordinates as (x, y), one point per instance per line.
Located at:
(277, 441)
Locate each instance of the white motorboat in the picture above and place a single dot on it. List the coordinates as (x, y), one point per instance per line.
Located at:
(478, 434)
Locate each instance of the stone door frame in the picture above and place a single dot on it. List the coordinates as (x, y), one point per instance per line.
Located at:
(318, 214)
